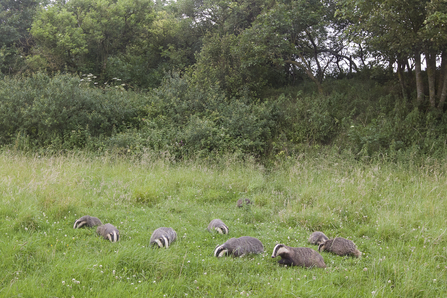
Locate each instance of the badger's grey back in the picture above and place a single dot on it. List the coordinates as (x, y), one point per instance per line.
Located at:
(307, 257)
(341, 246)
(218, 225)
(108, 232)
(163, 232)
(298, 256)
(244, 245)
(88, 221)
(317, 238)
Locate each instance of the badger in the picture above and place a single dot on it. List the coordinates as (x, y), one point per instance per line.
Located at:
(298, 256)
(219, 226)
(317, 238)
(240, 202)
(88, 221)
(109, 232)
(239, 247)
(163, 237)
(340, 246)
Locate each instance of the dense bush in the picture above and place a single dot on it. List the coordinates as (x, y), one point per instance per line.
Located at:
(186, 120)
(62, 110)
(400, 131)
(180, 119)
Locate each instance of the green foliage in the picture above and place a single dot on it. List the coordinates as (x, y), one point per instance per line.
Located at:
(393, 27)
(182, 120)
(82, 35)
(197, 120)
(220, 64)
(15, 40)
(60, 112)
(63, 42)
(398, 131)
(312, 119)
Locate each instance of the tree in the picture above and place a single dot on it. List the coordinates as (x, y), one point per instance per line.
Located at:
(82, 34)
(219, 60)
(15, 41)
(395, 28)
(222, 16)
(60, 41)
(302, 34)
(436, 34)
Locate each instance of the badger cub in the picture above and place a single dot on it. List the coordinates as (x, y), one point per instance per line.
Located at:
(240, 203)
(317, 238)
(163, 237)
(219, 226)
(298, 256)
(108, 232)
(239, 247)
(340, 246)
(88, 221)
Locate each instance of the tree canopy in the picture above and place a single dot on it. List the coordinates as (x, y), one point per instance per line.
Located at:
(242, 46)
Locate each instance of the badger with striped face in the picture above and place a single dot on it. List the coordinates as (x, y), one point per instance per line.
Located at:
(87, 221)
(317, 238)
(219, 226)
(163, 237)
(239, 247)
(241, 202)
(108, 232)
(298, 256)
(340, 246)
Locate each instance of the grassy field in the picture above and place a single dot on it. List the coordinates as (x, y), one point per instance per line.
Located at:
(396, 214)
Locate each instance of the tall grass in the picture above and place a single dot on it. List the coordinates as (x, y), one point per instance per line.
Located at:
(395, 213)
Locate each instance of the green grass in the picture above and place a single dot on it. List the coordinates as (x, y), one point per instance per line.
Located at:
(396, 214)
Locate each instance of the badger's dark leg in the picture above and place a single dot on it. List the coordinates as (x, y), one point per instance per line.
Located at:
(285, 262)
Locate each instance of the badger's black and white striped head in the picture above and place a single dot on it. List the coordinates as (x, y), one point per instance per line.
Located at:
(79, 223)
(82, 221)
(222, 230)
(87, 221)
(322, 246)
(162, 242)
(220, 251)
(279, 249)
(113, 236)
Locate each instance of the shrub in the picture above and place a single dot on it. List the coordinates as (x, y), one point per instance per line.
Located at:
(187, 120)
(61, 110)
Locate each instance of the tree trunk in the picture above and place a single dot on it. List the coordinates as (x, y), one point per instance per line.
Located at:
(320, 72)
(308, 71)
(401, 74)
(419, 80)
(442, 73)
(430, 59)
(350, 64)
(443, 94)
(410, 77)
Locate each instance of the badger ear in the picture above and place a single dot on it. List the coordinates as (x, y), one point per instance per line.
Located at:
(320, 246)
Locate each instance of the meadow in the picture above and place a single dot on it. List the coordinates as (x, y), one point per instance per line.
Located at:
(394, 212)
